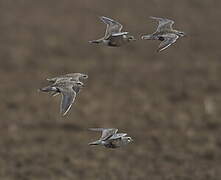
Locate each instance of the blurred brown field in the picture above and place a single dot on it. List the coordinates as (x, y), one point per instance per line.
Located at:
(169, 102)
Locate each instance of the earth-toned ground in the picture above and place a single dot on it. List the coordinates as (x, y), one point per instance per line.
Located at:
(169, 102)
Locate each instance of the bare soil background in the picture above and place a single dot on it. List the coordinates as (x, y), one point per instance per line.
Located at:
(169, 102)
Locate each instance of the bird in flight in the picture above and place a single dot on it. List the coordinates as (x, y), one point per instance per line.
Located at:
(165, 33)
(113, 36)
(68, 90)
(110, 138)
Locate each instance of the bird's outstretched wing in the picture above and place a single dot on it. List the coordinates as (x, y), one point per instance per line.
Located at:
(164, 24)
(112, 26)
(106, 132)
(168, 40)
(68, 97)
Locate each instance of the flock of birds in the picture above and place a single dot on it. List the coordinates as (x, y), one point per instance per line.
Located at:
(69, 85)
(115, 37)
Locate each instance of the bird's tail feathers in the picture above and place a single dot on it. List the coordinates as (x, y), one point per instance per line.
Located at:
(95, 41)
(48, 89)
(98, 142)
(147, 37)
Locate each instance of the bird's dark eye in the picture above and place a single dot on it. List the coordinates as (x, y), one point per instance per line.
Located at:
(161, 38)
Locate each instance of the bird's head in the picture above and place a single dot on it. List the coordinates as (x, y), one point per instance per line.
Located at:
(130, 38)
(83, 76)
(128, 139)
(181, 34)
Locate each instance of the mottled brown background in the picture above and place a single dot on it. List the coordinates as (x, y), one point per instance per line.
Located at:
(169, 102)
